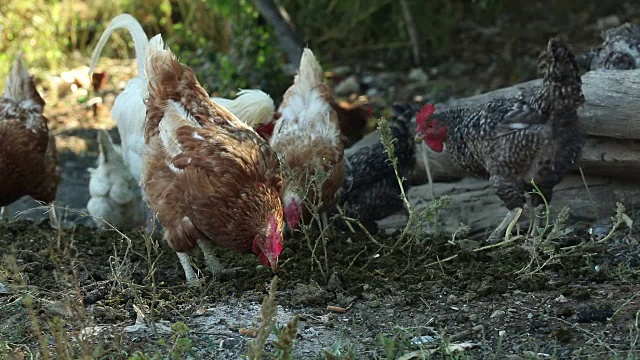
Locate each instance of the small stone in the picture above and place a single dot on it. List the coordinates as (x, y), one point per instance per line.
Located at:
(342, 71)
(497, 314)
(561, 299)
(348, 86)
(418, 75)
(608, 22)
(452, 299)
(4, 289)
(334, 282)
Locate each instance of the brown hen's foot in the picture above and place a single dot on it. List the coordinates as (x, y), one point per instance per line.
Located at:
(499, 233)
(189, 273)
(150, 221)
(212, 261)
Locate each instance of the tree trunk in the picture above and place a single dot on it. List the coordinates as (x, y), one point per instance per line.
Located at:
(289, 40)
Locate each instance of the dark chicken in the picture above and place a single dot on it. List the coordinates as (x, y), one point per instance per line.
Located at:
(620, 50)
(370, 190)
(353, 120)
(532, 136)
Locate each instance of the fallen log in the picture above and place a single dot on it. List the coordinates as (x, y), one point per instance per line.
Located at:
(474, 203)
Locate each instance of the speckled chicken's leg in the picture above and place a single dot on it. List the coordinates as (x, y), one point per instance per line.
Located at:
(324, 219)
(189, 273)
(499, 232)
(212, 261)
(537, 221)
(510, 191)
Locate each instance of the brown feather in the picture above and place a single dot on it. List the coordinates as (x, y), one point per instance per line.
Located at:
(224, 183)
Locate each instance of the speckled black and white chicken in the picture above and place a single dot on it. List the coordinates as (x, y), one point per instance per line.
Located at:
(534, 135)
(115, 195)
(370, 190)
(620, 50)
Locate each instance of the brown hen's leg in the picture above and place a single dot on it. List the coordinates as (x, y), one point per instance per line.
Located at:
(190, 275)
(150, 220)
(212, 261)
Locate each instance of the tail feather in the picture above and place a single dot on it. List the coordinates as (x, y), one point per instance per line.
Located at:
(561, 75)
(105, 146)
(20, 86)
(309, 73)
(253, 107)
(171, 81)
(140, 40)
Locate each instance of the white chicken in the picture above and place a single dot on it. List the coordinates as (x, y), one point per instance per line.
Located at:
(116, 197)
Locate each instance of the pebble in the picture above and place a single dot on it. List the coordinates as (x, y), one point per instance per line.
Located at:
(497, 314)
(418, 75)
(4, 289)
(561, 299)
(348, 86)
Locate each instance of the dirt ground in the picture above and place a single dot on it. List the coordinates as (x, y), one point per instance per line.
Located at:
(102, 293)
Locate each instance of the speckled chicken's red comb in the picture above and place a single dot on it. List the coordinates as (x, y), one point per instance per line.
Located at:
(422, 116)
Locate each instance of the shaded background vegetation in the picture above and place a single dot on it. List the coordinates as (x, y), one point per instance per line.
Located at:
(227, 41)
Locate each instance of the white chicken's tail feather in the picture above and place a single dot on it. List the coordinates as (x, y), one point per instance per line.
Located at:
(105, 146)
(123, 21)
(20, 87)
(309, 73)
(252, 106)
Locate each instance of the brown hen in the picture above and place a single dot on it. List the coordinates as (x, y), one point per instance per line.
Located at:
(308, 137)
(209, 176)
(28, 155)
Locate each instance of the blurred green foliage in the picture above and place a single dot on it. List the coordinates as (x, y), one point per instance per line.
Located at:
(361, 28)
(226, 41)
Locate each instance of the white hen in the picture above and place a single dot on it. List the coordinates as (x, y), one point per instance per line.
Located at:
(115, 194)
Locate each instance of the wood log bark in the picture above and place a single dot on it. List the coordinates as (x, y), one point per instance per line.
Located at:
(610, 117)
(612, 106)
(474, 203)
